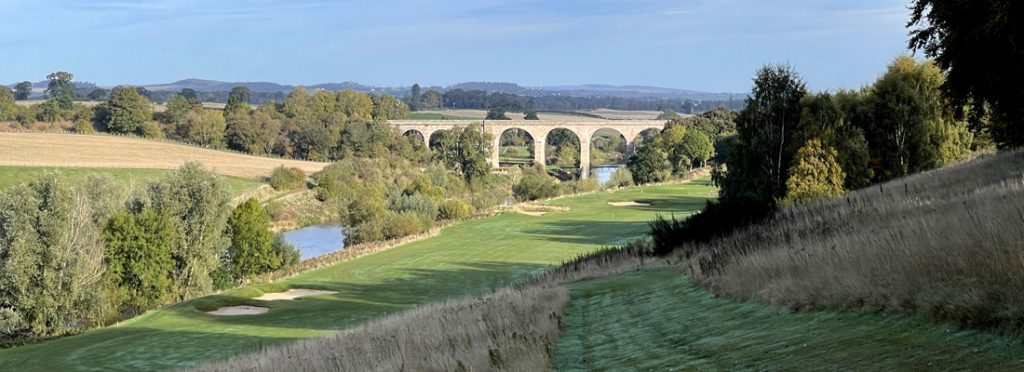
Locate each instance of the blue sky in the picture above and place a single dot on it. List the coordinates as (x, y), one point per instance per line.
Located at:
(709, 45)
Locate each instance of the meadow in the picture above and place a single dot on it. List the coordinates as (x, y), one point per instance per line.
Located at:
(469, 258)
(104, 151)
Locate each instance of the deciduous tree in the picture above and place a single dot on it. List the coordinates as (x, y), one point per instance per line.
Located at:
(138, 258)
(127, 111)
(980, 45)
(815, 174)
(23, 90)
(251, 250)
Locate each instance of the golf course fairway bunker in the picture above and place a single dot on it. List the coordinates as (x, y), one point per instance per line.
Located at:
(632, 203)
(292, 294)
(239, 310)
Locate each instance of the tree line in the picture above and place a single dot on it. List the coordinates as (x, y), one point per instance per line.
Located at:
(79, 256)
(482, 100)
(793, 146)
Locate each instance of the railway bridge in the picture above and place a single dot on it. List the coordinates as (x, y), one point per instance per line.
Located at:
(538, 131)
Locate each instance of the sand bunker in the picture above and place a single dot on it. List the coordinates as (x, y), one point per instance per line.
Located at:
(292, 294)
(629, 204)
(239, 310)
(533, 213)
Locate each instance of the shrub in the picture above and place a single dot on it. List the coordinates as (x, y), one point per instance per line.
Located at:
(327, 189)
(290, 255)
(84, 127)
(621, 178)
(415, 203)
(535, 186)
(397, 225)
(579, 186)
(151, 129)
(453, 209)
(287, 178)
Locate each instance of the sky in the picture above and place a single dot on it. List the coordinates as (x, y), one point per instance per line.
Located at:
(706, 45)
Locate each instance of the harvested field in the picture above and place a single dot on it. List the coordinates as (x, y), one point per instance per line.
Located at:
(624, 115)
(100, 151)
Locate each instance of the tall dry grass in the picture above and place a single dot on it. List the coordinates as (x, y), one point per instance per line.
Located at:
(948, 243)
(513, 329)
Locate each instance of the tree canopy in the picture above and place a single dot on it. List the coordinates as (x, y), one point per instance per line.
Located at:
(979, 44)
(127, 111)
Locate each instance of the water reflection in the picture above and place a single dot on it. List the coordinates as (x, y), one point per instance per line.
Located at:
(317, 240)
(603, 173)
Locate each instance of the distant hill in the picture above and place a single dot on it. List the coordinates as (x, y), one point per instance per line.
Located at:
(200, 85)
(641, 91)
(585, 90)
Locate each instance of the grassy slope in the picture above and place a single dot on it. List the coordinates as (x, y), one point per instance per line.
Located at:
(655, 319)
(468, 258)
(14, 175)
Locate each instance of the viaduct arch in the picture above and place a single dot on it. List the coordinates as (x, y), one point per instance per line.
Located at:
(630, 129)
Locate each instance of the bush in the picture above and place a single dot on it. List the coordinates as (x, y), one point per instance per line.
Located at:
(535, 186)
(414, 203)
(579, 186)
(397, 225)
(290, 256)
(287, 178)
(327, 189)
(621, 178)
(453, 209)
(151, 129)
(84, 127)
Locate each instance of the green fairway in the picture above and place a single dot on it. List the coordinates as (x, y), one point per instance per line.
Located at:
(655, 319)
(14, 175)
(467, 258)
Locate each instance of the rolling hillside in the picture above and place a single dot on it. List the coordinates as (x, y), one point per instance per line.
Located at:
(860, 292)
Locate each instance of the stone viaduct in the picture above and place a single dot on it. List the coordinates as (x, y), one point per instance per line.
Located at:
(538, 130)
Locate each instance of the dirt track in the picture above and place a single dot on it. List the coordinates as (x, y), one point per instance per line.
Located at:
(75, 150)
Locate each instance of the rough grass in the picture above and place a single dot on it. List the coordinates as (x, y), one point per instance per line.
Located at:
(105, 151)
(14, 175)
(948, 243)
(623, 316)
(513, 329)
(655, 319)
(469, 258)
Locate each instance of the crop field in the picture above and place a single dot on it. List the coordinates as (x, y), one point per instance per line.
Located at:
(438, 115)
(656, 319)
(468, 258)
(623, 114)
(14, 175)
(99, 151)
